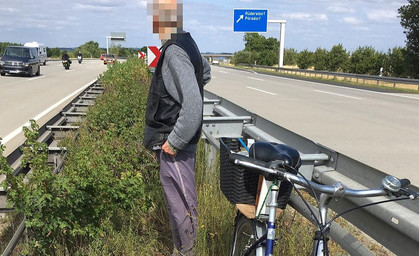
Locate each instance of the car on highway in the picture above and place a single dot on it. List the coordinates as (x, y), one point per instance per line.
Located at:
(20, 60)
(109, 59)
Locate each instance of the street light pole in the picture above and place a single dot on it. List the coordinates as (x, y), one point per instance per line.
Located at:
(107, 44)
(281, 41)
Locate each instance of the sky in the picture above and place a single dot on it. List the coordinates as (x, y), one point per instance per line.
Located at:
(309, 23)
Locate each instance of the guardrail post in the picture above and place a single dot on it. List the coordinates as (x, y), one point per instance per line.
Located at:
(394, 225)
(211, 155)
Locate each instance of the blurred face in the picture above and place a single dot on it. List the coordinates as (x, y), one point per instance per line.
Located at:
(167, 17)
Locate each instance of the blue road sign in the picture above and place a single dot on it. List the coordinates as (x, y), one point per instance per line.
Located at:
(246, 20)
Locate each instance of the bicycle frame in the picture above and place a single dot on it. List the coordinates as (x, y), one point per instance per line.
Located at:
(262, 228)
(270, 220)
(320, 241)
(270, 240)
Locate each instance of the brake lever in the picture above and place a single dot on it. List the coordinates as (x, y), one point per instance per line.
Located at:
(275, 164)
(411, 194)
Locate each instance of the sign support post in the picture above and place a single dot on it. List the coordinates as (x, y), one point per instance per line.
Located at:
(115, 36)
(281, 41)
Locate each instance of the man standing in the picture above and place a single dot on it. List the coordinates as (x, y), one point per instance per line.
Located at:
(174, 119)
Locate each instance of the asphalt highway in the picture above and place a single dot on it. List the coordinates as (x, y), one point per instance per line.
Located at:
(40, 97)
(378, 129)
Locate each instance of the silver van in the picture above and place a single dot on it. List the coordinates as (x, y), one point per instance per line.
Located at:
(41, 49)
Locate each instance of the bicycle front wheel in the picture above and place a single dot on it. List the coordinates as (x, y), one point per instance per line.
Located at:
(244, 235)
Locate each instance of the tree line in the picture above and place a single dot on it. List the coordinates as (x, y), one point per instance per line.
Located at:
(396, 62)
(89, 49)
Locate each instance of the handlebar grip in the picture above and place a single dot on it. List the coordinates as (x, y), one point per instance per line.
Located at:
(242, 158)
(268, 175)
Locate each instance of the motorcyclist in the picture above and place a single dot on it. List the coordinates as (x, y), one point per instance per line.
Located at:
(79, 57)
(66, 57)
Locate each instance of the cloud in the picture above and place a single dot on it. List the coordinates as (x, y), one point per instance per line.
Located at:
(352, 21)
(306, 16)
(8, 10)
(79, 6)
(142, 3)
(383, 16)
(356, 23)
(340, 9)
(102, 5)
(199, 26)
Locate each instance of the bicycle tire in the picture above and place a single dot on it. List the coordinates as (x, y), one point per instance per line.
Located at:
(244, 235)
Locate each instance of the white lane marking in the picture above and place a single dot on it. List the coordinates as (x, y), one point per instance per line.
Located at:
(223, 72)
(254, 78)
(40, 115)
(213, 77)
(351, 89)
(71, 70)
(256, 89)
(34, 78)
(337, 94)
(337, 86)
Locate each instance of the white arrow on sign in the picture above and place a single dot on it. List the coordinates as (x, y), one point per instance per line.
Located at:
(241, 17)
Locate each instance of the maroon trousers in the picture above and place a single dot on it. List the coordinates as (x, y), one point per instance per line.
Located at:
(177, 176)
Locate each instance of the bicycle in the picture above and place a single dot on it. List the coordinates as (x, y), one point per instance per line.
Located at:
(271, 173)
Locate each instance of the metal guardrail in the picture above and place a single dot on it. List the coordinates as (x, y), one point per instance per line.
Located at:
(51, 133)
(394, 225)
(394, 82)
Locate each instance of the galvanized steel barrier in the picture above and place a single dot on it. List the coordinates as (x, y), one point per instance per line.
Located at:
(394, 82)
(394, 225)
(51, 133)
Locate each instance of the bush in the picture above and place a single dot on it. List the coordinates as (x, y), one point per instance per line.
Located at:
(290, 57)
(107, 170)
(337, 57)
(305, 59)
(320, 59)
(365, 60)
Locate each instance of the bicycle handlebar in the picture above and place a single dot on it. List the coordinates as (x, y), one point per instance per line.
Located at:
(337, 190)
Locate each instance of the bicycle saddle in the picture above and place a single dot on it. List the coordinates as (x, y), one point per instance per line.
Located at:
(270, 151)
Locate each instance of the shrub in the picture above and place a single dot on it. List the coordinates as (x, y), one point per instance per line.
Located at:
(305, 59)
(107, 170)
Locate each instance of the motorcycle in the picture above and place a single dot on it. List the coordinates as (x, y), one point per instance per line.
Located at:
(79, 58)
(66, 64)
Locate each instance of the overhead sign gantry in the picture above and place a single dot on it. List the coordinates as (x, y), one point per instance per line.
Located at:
(115, 36)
